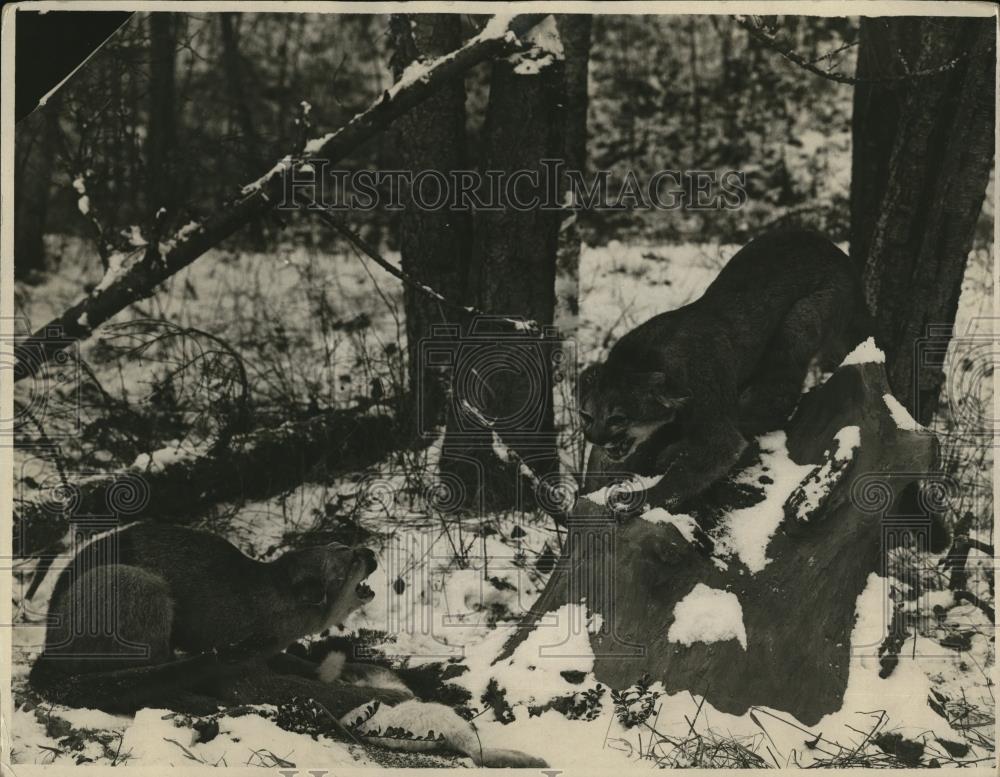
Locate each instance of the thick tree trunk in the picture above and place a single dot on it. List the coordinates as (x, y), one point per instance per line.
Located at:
(574, 30)
(434, 244)
(35, 150)
(161, 133)
(798, 611)
(923, 151)
(508, 376)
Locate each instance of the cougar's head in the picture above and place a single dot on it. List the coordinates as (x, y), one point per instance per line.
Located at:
(327, 582)
(622, 409)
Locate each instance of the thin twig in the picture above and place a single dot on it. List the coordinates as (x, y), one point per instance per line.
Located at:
(795, 58)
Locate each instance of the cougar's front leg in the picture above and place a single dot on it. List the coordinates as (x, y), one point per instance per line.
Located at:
(696, 462)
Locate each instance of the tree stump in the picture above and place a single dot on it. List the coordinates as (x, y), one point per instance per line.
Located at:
(799, 609)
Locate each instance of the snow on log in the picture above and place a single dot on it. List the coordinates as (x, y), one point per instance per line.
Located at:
(165, 485)
(763, 614)
(136, 275)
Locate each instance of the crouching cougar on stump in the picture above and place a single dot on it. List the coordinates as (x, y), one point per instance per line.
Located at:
(681, 394)
(157, 615)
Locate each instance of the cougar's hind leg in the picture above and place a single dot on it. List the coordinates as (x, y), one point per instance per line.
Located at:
(769, 398)
(112, 617)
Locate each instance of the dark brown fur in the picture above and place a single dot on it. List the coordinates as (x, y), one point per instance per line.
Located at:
(130, 602)
(681, 394)
(160, 615)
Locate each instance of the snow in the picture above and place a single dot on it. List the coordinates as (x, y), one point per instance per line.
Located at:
(118, 266)
(819, 482)
(315, 145)
(544, 48)
(865, 353)
(83, 201)
(161, 738)
(746, 533)
(176, 451)
(445, 610)
(634, 484)
(848, 440)
(135, 238)
(533, 674)
(708, 615)
(901, 415)
(285, 163)
(685, 524)
(497, 26)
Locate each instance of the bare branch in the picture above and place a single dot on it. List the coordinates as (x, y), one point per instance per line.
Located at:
(758, 34)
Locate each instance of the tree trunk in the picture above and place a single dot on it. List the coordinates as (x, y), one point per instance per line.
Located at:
(508, 376)
(35, 144)
(574, 30)
(253, 154)
(798, 611)
(161, 134)
(434, 244)
(923, 151)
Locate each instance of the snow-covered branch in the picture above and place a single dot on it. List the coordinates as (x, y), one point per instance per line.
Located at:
(138, 275)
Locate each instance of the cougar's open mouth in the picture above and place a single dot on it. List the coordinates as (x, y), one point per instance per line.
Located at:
(364, 592)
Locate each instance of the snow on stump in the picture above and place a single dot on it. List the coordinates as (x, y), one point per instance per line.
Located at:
(747, 595)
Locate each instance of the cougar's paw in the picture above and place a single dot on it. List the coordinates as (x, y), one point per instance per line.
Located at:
(494, 758)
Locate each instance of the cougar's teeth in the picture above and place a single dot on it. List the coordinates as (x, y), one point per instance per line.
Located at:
(364, 593)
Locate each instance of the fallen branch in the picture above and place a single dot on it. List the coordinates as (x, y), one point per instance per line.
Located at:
(256, 465)
(131, 277)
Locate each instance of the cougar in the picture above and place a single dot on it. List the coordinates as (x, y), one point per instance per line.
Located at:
(681, 394)
(157, 615)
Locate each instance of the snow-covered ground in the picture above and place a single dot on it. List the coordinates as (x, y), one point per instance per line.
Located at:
(451, 590)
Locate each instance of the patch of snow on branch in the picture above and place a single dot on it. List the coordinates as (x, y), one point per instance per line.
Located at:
(83, 203)
(865, 353)
(279, 168)
(708, 615)
(118, 265)
(315, 145)
(180, 236)
(901, 415)
(545, 48)
(135, 238)
(497, 27)
(171, 454)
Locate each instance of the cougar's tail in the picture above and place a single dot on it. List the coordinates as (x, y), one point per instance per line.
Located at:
(120, 690)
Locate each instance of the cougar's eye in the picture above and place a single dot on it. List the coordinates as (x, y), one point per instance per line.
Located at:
(617, 419)
(586, 417)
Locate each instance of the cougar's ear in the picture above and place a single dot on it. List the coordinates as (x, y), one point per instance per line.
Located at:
(666, 391)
